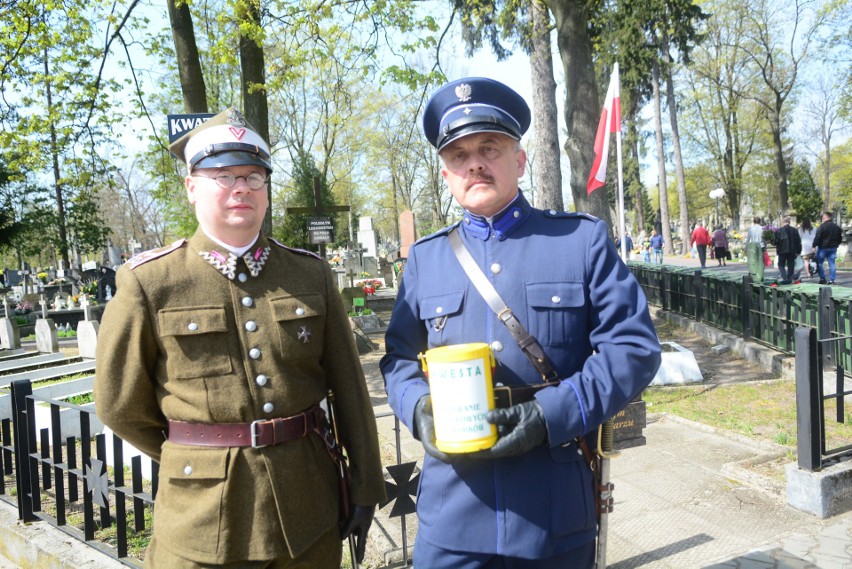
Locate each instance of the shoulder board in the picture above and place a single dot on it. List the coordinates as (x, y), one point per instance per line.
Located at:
(439, 233)
(293, 249)
(152, 254)
(569, 215)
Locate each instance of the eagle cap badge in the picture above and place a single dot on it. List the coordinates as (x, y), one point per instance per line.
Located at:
(463, 92)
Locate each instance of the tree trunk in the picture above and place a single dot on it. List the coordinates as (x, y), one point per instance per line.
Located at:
(661, 160)
(189, 64)
(780, 163)
(634, 178)
(549, 178)
(57, 177)
(255, 105)
(582, 106)
(681, 177)
(827, 196)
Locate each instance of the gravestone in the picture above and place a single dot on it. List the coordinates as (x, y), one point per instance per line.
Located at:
(350, 294)
(106, 283)
(367, 237)
(87, 330)
(627, 425)
(407, 231)
(12, 277)
(47, 341)
(10, 335)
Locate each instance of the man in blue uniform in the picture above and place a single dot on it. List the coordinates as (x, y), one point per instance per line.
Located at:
(527, 501)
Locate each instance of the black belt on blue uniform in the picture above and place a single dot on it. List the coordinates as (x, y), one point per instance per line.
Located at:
(508, 395)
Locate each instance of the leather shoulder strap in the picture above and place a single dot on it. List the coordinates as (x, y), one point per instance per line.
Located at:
(528, 343)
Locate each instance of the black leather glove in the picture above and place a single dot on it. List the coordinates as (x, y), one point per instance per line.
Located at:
(424, 422)
(358, 524)
(521, 426)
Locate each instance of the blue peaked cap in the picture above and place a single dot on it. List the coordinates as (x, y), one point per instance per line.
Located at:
(474, 104)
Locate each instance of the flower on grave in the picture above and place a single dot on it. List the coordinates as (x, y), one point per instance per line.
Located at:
(23, 307)
(371, 285)
(90, 287)
(42, 276)
(75, 299)
(769, 233)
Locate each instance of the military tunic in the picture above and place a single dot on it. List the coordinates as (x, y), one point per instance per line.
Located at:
(562, 278)
(200, 335)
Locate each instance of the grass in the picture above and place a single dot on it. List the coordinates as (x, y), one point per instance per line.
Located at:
(762, 410)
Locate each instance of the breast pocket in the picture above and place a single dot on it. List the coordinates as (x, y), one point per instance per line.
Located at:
(440, 314)
(556, 312)
(196, 341)
(301, 323)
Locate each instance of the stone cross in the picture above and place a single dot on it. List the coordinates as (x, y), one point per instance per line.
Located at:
(6, 306)
(351, 274)
(84, 304)
(43, 304)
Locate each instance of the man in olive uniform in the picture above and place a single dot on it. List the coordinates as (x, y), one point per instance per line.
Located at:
(212, 359)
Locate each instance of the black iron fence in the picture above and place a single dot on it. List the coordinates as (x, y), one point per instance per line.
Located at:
(814, 322)
(98, 497)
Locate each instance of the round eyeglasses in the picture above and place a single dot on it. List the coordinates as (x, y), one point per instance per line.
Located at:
(255, 180)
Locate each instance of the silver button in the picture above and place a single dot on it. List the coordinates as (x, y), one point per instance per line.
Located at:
(467, 220)
(251, 325)
(551, 211)
(254, 353)
(192, 326)
(497, 346)
(516, 214)
(260, 380)
(187, 470)
(496, 268)
(439, 310)
(300, 311)
(267, 407)
(247, 301)
(555, 299)
(242, 277)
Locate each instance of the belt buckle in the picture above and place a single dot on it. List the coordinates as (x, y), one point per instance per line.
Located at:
(254, 435)
(506, 389)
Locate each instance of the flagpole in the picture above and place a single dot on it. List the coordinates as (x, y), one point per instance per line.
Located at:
(621, 222)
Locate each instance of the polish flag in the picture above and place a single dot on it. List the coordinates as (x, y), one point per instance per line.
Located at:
(610, 122)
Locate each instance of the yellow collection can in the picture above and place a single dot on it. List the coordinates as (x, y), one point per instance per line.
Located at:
(462, 394)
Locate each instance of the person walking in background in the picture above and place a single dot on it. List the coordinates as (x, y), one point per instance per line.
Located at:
(527, 501)
(657, 247)
(213, 358)
(720, 245)
(788, 244)
(701, 238)
(826, 241)
(628, 247)
(755, 233)
(807, 233)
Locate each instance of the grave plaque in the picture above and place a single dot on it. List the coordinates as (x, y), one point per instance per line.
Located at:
(627, 425)
(320, 230)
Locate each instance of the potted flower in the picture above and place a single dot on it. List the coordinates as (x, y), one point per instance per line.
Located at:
(42, 277)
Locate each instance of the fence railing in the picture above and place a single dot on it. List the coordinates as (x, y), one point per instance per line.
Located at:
(101, 499)
(787, 319)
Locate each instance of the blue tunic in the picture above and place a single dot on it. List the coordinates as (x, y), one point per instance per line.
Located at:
(561, 276)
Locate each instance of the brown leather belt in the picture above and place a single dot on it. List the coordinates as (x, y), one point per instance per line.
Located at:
(255, 434)
(506, 396)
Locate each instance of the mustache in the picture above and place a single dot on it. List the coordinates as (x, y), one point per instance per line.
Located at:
(479, 178)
